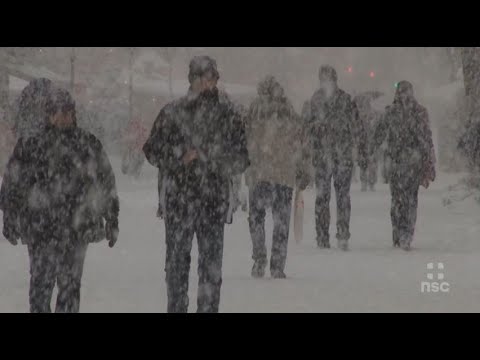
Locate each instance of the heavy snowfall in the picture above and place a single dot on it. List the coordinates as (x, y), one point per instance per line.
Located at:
(118, 95)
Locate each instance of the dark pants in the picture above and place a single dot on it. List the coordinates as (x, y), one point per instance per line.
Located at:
(342, 178)
(60, 262)
(279, 197)
(368, 176)
(404, 191)
(179, 237)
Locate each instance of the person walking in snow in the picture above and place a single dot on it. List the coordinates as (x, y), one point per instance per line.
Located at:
(369, 117)
(334, 129)
(406, 127)
(274, 137)
(198, 142)
(58, 195)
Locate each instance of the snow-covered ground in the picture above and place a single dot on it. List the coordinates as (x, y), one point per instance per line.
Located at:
(372, 277)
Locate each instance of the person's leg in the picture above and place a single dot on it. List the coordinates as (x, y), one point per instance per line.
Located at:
(373, 173)
(179, 232)
(42, 275)
(210, 236)
(412, 209)
(69, 277)
(400, 211)
(342, 176)
(363, 178)
(281, 211)
(323, 183)
(258, 202)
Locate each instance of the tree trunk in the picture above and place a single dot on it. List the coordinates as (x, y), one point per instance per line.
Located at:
(4, 90)
(130, 85)
(72, 72)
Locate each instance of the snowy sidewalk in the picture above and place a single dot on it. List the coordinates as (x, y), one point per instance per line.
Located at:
(372, 277)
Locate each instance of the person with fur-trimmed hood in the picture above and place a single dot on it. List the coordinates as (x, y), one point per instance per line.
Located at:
(59, 195)
(406, 127)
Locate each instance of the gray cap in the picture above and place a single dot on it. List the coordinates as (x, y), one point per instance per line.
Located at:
(201, 65)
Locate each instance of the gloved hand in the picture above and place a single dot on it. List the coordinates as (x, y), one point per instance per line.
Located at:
(111, 232)
(10, 228)
(425, 183)
(303, 179)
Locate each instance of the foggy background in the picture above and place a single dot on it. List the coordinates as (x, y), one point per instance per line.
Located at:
(113, 85)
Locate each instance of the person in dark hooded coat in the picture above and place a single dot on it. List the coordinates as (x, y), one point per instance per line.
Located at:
(274, 136)
(334, 129)
(30, 110)
(59, 195)
(369, 117)
(406, 127)
(198, 142)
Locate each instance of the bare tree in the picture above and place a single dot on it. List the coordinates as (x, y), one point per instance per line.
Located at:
(130, 82)
(169, 56)
(72, 70)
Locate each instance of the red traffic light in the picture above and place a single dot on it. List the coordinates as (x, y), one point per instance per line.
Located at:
(350, 69)
(372, 74)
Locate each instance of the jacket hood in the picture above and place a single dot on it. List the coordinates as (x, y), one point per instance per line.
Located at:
(271, 88)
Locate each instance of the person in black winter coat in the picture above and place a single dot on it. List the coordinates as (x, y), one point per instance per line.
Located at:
(199, 144)
(406, 127)
(58, 191)
(369, 118)
(334, 129)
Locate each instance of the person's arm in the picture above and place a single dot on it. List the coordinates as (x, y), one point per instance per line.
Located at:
(428, 151)
(303, 168)
(379, 134)
(110, 204)
(163, 148)
(360, 133)
(15, 184)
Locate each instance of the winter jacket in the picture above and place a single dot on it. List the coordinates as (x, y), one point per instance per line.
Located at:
(6, 144)
(59, 182)
(334, 128)
(409, 140)
(209, 125)
(274, 137)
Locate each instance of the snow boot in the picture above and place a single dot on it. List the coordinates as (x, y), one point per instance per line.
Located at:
(342, 244)
(278, 274)
(323, 244)
(258, 269)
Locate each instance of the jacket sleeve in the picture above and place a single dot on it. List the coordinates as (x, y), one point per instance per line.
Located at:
(151, 146)
(108, 189)
(426, 142)
(165, 148)
(235, 159)
(303, 177)
(360, 133)
(307, 129)
(17, 181)
(379, 134)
